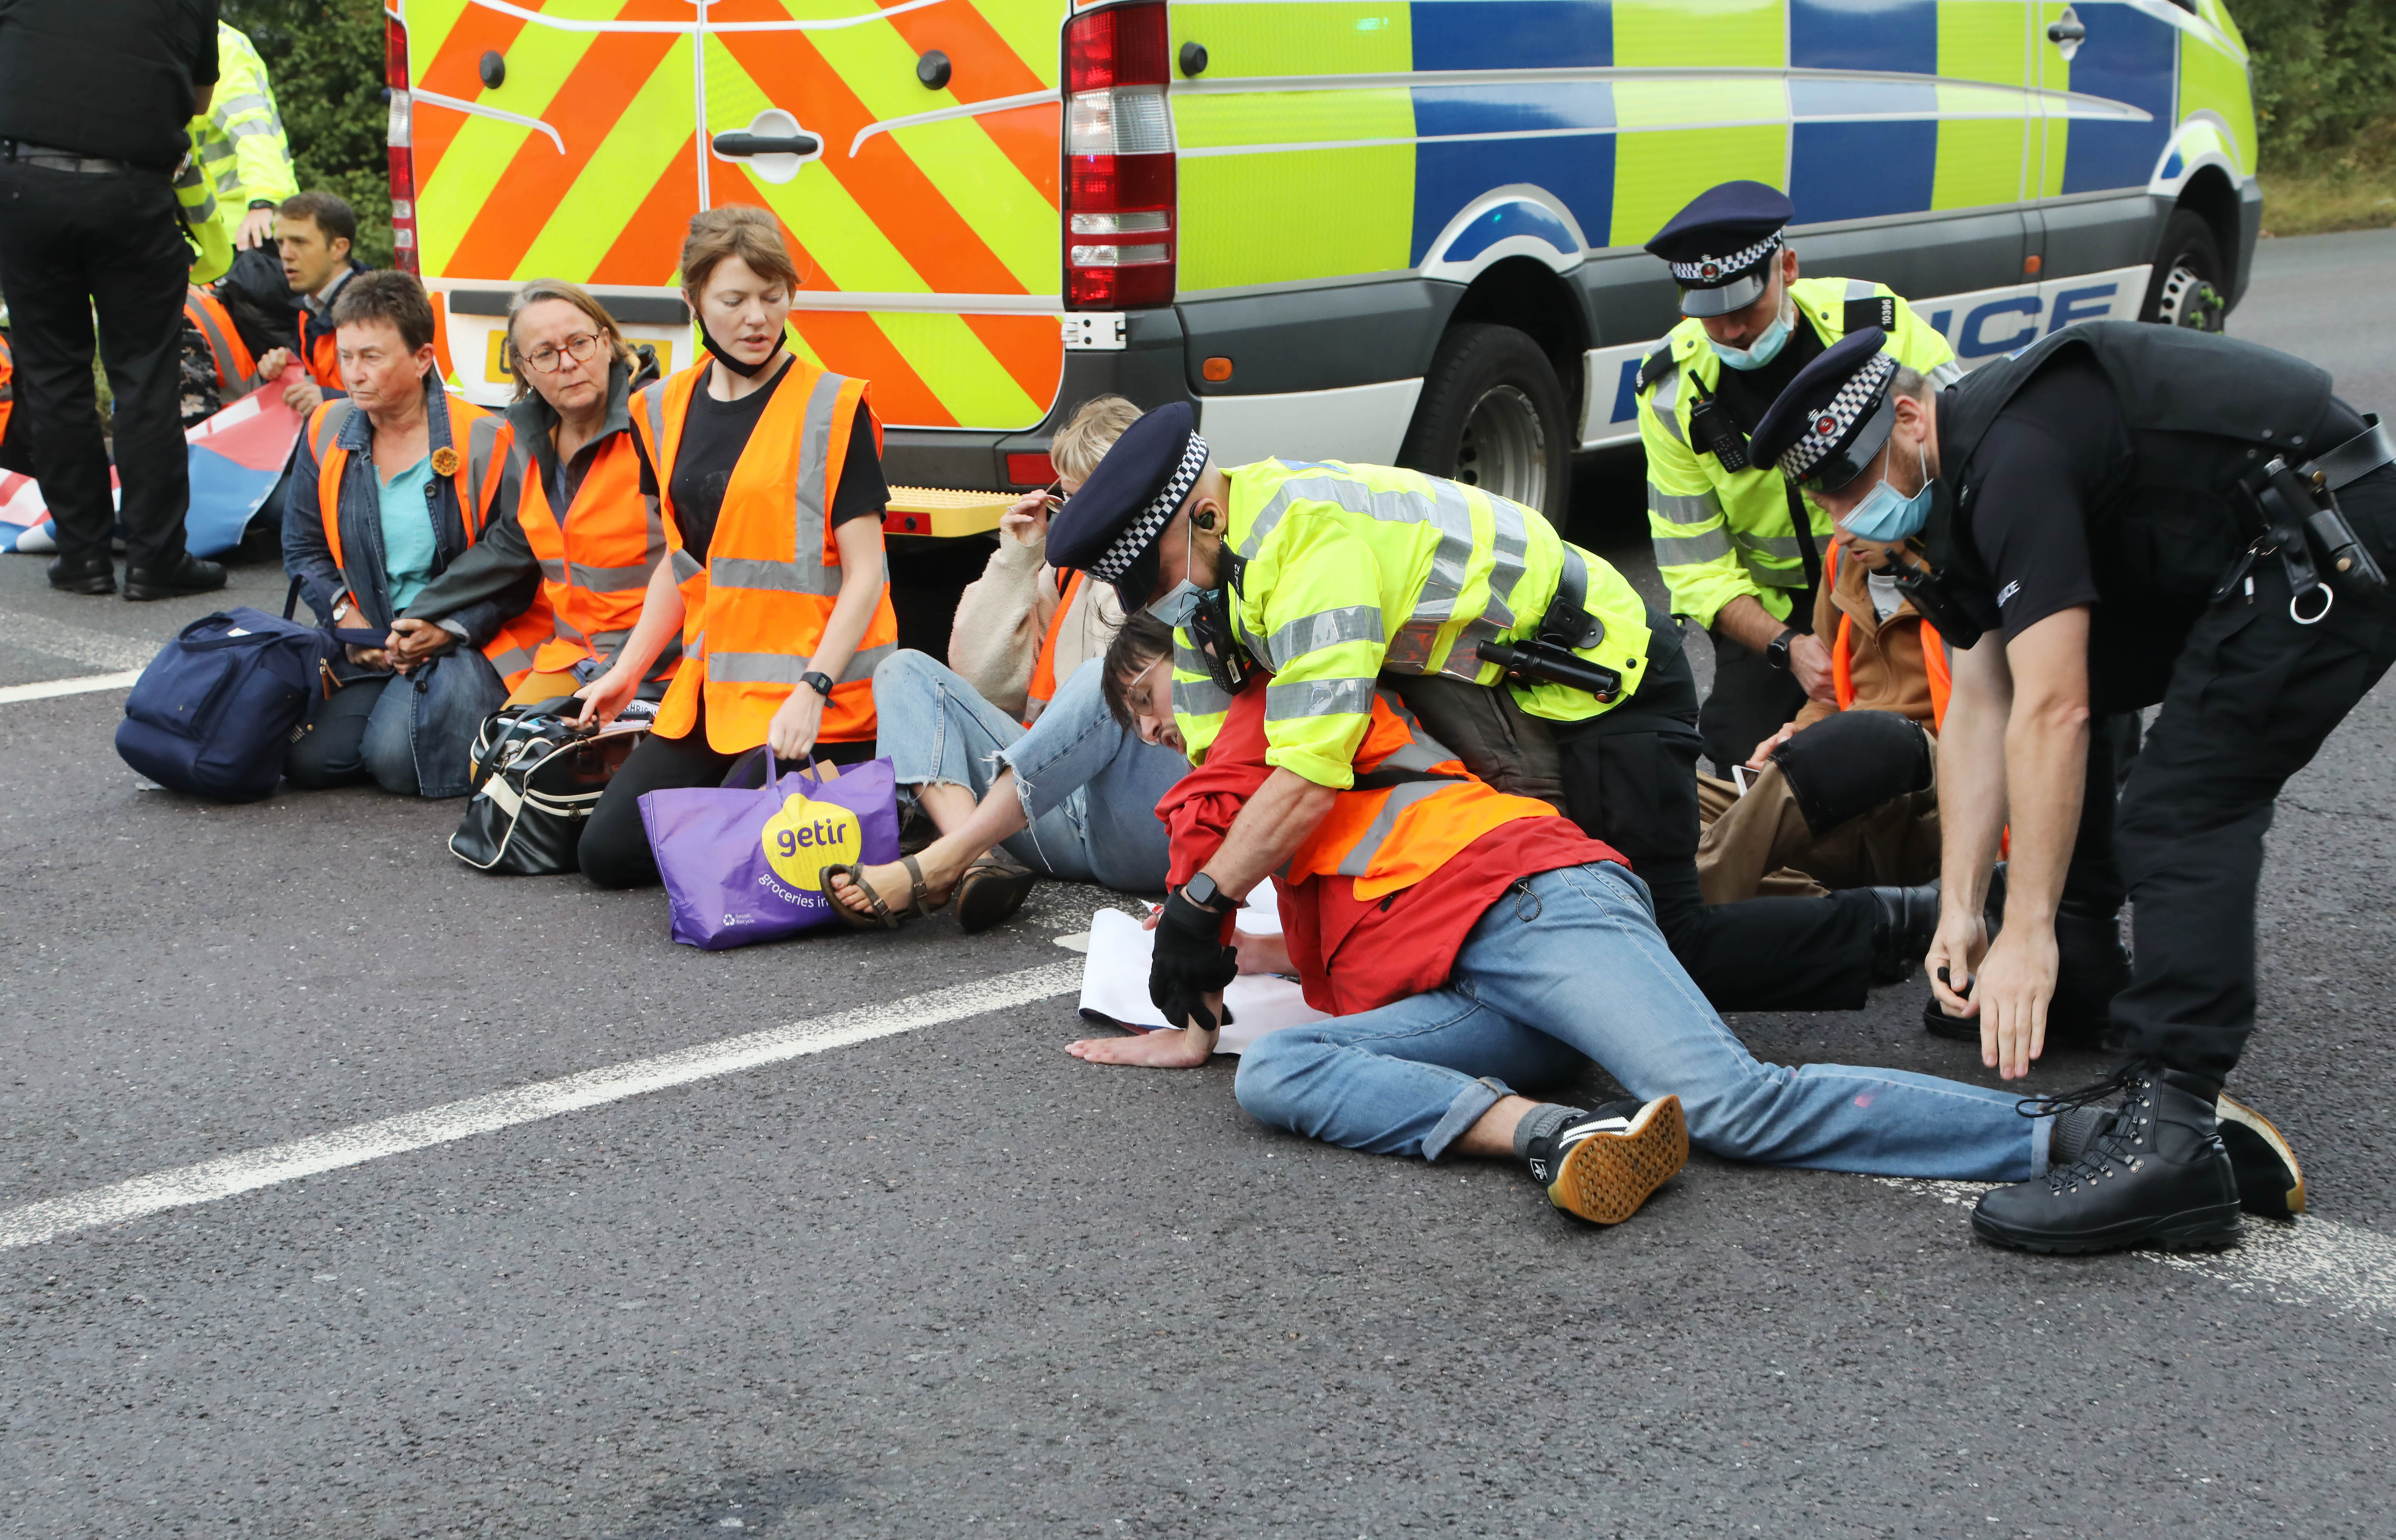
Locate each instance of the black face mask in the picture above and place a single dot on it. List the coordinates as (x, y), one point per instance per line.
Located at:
(746, 371)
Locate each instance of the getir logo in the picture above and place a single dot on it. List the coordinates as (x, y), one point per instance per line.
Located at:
(805, 837)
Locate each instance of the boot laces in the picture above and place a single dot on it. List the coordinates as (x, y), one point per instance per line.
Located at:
(2121, 1146)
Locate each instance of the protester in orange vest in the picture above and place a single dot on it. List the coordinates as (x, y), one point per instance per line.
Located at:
(782, 618)
(312, 234)
(570, 512)
(217, 366)
(1064, 792)
(1471, 946)
(390, 485)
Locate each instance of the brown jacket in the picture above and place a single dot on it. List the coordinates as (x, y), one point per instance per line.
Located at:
(1885, 656)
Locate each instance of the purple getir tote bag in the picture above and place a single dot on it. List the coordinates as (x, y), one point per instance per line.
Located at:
(742, 865)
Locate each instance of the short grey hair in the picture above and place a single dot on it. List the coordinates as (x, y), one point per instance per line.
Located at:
(1911, 383)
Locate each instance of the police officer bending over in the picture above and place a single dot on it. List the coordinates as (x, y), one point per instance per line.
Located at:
(2117, 516)
(1741, 552)
(1329, 576)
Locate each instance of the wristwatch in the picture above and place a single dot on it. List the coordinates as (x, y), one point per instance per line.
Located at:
(1777, 653)
(1201, 890)
(819, 683)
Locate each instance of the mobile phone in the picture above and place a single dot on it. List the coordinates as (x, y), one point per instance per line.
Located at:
(1738, 777)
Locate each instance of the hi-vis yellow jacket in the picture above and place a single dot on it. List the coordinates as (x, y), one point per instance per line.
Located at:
(1719, 533)
(1352, 570)
(239, 140)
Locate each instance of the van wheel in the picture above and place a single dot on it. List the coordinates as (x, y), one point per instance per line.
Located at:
(1492, 416)
(2190, 286)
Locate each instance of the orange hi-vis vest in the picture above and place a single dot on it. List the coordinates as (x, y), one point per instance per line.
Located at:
(7, 386)
(483, 432)
(594, 562)
(755, 611)
(1842, 667)
(236, 370)
(1044, 668)
(320, 351)
(1414, 806)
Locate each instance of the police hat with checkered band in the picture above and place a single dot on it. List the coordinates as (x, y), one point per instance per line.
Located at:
(1833, 417)
(1109, 528)
(1721, 249)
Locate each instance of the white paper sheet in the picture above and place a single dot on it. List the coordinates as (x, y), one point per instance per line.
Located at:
(1114, 981)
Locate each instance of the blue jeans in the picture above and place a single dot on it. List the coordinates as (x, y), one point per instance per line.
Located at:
(413, 742)
(1570, 963)
(1089, 788)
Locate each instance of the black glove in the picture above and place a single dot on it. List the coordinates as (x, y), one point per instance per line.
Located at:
(1190, 962)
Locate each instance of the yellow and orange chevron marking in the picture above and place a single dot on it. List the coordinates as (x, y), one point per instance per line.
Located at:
(964, 208)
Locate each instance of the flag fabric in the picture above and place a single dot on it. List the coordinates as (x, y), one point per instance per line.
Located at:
(236, 458)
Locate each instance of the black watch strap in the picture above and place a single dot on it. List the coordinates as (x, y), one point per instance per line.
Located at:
(1776, 653)
(1201, 890)
(819, 683)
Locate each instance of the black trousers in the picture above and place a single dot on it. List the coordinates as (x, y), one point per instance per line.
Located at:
(1630, 780)
(615, 849)
(1750, 699)
(71, 244)
(2252, 697)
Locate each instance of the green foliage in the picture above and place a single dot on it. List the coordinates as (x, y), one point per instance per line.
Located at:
(324, 59)
(2324, 70)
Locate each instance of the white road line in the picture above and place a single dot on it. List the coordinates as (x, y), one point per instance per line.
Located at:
(85, 685)
(2312, 1261)
(231, 1175)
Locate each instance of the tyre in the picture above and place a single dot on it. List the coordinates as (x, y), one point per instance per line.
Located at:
(2190, 286)
(1492, 416)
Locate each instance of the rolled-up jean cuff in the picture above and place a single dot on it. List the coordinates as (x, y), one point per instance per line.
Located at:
(2041, 1141)
(1467, 1108)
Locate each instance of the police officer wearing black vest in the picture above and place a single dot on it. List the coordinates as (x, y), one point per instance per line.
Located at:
(2118, 516)
(95, 96)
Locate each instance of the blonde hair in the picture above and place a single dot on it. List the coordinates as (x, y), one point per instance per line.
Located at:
(542, 290)
(736, 229)
(1077, 447)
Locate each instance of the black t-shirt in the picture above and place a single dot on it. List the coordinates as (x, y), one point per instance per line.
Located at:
(1746, 392)
(114, 79)
(714, 433)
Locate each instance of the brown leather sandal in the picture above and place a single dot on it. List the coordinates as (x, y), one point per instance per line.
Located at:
(919, 901)
(991, 890)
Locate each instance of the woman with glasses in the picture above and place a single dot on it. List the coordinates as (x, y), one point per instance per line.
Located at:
(571, 511)
(767, 469)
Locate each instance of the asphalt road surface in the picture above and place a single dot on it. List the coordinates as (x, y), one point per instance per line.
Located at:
(913, 1271)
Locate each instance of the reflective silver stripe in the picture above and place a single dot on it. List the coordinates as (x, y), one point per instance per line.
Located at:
(1200, 697)
(1359, 858)
(221, 348)
(755, 667)
(1510, 545)
(1686, 549)
(482, 443)
(815, 477)
(1323, 628)
(1422, 751)
(328, 428)
(553, 571)
(1773, 577)
(866, 661)
(1859, 288)
(222, 112)
(217, 149)
(1781, 547)
(1668, 390)
(1304, 698)
(250, 130)
(1678, 508)
(568, 630)
(513, 660)
(696, 647)
(745, 572)
(686, 565)
(605, 579)
(1405, 506)
(1944, 375)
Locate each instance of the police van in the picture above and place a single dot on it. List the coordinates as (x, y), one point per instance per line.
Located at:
(1383, 232)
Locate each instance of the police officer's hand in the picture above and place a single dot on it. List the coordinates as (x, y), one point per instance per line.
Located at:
(411, 642)
(2016, 983)
(1954, 957)
(605, 698)
(792, 731)
(256, 229)
(1190, 963)
(1809, 664)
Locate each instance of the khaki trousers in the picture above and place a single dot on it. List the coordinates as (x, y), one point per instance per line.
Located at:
(1758, 847)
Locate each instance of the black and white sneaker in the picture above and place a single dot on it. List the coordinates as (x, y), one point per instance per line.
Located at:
(1602, 1165)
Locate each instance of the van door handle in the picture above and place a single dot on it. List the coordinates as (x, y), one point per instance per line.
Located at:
(2069, 30)
(741, 142)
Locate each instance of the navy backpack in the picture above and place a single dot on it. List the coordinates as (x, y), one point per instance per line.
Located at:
(213, 714)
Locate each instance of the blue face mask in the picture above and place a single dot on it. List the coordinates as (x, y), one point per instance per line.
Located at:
(1764, 350)
(1176, 607)
(1887, 517)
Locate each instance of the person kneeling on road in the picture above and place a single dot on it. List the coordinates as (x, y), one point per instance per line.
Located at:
(390, 484)
(1061, 792)
(1470, 942)
(1330, 575)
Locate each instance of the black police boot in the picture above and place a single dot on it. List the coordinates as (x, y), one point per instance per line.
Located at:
(2155, 1173)
(189, 575)
(1904, 921)
(1602, 1164)
(2269, 1181)
(97, 575)
(2092, 966)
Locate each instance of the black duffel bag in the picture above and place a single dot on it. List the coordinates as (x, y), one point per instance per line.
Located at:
(537, 777)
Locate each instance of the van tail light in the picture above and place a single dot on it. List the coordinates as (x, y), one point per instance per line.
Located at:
(1119, 164)
(403, 155)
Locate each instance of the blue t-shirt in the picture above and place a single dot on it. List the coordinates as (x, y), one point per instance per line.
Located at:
(408, 547)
